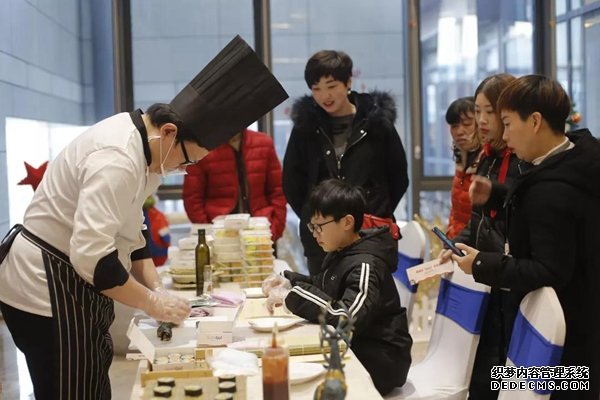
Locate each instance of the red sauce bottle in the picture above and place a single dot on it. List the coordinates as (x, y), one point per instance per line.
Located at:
(275, 371)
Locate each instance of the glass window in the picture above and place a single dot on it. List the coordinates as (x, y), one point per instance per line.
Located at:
(577, 57)
(561, 7)
(589, 108)
(562, 55)
(462, 41)
(49, 139)
(435, 205)
(577, 63)
(169, 51)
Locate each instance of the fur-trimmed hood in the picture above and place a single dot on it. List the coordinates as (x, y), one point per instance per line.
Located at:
(376, 106)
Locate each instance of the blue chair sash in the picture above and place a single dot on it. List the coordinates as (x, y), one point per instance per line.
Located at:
(404, 263)
(529, 348)
(464, 306)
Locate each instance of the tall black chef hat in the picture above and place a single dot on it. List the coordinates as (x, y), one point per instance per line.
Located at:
(230, 93)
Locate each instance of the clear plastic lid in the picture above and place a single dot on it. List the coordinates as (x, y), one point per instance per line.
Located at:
(237, 221)
(226, 246)
(255, 237)
(262, 255)
(250, 247)
(229, 256)
(259, 223)
(207, 228)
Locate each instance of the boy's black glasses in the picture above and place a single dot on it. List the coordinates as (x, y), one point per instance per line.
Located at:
(312, 228)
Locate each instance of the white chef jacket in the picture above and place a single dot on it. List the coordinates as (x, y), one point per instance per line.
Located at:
(88, 205)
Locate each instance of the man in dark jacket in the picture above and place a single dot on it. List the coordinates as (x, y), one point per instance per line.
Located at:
(357, 271)
(343, 135)
(554, 216)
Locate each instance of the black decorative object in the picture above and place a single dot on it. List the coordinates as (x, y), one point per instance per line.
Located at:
(334, 385)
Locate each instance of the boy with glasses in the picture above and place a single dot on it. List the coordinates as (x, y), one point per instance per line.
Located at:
(356, 272)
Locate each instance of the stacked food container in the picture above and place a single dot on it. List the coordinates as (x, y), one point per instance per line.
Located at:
(257, 251)
(182, 260)
(226, 253)
(241, 251)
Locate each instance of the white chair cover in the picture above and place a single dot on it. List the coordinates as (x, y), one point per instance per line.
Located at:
(411, 251)
(445, 372)
(537, 339)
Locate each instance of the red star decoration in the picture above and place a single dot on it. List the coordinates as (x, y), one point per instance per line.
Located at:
(34, 175)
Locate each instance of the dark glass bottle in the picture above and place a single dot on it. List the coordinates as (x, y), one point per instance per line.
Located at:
(202, 259)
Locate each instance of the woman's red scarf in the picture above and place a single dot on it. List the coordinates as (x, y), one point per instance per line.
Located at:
(488, 150)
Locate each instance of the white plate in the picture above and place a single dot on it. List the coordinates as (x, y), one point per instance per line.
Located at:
(266, 324)
(303, 372)
(254, 293)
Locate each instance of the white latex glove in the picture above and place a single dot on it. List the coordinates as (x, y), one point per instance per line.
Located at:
(276, 298)
(274, 281)
(165, 307)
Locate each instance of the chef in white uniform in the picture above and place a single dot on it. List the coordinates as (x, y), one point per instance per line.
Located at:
(82, 244)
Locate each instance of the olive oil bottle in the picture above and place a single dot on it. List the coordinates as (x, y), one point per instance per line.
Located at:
(202, 259)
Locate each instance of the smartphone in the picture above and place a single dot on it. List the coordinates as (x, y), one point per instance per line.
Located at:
(447, 242)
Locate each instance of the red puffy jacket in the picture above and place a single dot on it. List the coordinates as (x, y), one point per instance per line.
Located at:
(211, 186)
(460, 211)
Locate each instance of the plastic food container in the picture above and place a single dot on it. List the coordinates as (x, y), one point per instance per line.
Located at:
(228, 256)
(255, 237)
(237, 221)
(250, 248)
(225, 233)
(253, 262)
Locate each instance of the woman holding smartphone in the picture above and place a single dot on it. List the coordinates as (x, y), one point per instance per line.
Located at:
(486, 231)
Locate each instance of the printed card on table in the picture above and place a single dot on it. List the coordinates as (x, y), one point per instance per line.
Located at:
(428, 269)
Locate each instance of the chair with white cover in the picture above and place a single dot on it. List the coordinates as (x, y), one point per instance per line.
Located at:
(537, 339)
(411, 252)
(445, 372)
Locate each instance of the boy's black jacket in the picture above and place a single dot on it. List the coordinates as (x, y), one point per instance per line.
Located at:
(360, 276)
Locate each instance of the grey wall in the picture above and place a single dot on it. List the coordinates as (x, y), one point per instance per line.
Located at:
(46, 68)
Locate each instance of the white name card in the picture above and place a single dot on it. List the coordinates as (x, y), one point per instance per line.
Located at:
(428, 269)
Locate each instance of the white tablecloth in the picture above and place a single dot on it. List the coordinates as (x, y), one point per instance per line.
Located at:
(360, 385)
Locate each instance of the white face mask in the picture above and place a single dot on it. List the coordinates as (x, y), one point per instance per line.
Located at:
(163, 172)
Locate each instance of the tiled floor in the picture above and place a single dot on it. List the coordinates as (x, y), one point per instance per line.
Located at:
(15, 383)
(14, 377)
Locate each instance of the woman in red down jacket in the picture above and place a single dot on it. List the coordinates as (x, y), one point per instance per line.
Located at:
(248, 162)
(460, 116)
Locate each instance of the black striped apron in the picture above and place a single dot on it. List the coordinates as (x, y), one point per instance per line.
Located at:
(82, 317)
